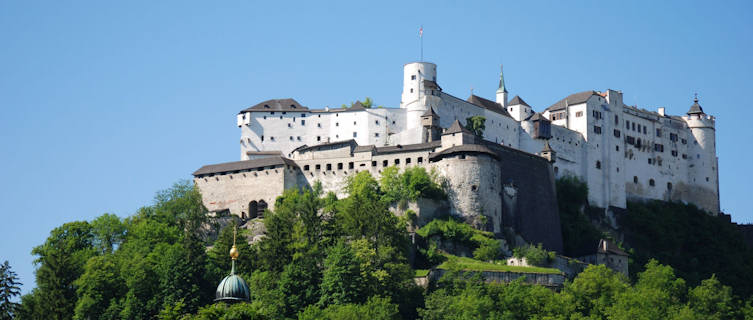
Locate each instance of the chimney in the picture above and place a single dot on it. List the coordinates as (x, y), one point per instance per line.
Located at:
(661, 111)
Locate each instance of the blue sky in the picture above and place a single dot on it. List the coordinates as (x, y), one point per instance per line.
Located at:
(105, 103)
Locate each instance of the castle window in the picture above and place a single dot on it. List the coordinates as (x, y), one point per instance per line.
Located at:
(658, 147)
(355, 134)
(616, 133)
(290, 125)
(306, 168)
(674, 153)
(350, 165)
(651, 182)
(473, 188)
(420, 159)
(272, 112)
(673, 137)
(318, 115)
(413, 77)
(373, 163)
(354, 123)
(407, 160)
(684, 141)
(262, 138)
(318, 138)
(616, 120)
(329, 167)
(630, 140)
(280, 117)
(298, 138)
(617, 148)
(635, 179)
(340, 166)
(462, 156)
(397, 161)
(649, 161)
(291, 138)
(303, 122)
(376, 122)
(272, 138)
(633, 124)
(707, 179)
(556, 170)
(627, 124)
(597, 130)
(411, 90)
(376, 135)
(385, 163)
(393, 121)
(669, 186)
(684, 156)
(578, 114)
(644, 129)
(598, 164)
(658, 132)
(337, 124)
(303, 115)
(318, 167)
(265, 117)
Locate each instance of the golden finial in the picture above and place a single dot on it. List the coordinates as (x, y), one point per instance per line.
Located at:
(234, 250)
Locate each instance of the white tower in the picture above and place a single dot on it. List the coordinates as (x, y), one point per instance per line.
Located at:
(502, 91)
(704, 168)
(419, 89)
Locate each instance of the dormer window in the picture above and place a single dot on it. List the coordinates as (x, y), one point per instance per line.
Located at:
(266, 106)
(292, 106)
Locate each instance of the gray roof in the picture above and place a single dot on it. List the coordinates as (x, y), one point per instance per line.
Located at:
(358, 106)
(456, 127)
(409, 147)
(429, 84)
(264, 153)
(243, 165)
(575, 98)
(547, 147)
(611, 248)
(326, 144)
(465, 148)
(430, 112)
(516, 100)
(287, 104)
(537, 117)
(488, 104)
(695, 108)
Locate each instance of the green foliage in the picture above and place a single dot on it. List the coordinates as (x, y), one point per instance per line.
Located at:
(342, 281)
(10, 288)
(579, 236)
(377, 308)
(696, 244)
(476, 124)
(484, 246)
(535, 255)
(468, 264)
(411, 184)
(238, 311)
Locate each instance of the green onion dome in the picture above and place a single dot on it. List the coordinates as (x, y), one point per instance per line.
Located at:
(233, 288)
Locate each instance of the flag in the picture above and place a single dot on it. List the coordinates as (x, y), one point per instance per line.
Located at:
(421, 32)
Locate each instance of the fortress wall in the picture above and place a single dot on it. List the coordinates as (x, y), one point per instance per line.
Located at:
(234, 191)
(537, 218)
(474, 189)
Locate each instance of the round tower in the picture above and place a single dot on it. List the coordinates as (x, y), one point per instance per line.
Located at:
(702, 155)
(419, 88)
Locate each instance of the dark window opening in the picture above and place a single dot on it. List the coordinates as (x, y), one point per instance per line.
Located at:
(350, 165)
(651, 182)
(397, 161)
(373, 163)
(635, 179)
(340, 166)
(598, 164)
(329, 167)
(407, 160)
(385, 163)
(306, 168)
(420, 159)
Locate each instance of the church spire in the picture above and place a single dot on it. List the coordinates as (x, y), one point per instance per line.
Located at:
(501, 81)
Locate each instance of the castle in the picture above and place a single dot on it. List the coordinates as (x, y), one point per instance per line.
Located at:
(620, 151)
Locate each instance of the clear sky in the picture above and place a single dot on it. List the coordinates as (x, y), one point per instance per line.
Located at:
(105, 103)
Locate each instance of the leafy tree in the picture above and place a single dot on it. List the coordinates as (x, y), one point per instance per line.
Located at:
(579, 236)
(342, 281)
(712, 300)
(10, 288)
(476, 124)
(658, 294)
(594, 290)
(108, 231)
(377, 308)
(99, 289)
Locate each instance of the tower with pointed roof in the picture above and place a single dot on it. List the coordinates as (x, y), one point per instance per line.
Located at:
(704, 169)
(501, 90)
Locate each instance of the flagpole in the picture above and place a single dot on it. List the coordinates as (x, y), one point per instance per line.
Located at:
(421, 36)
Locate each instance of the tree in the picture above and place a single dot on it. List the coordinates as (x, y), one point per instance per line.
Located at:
(712, 300)
(9, 289)
(594, 290)
(99, 289)
(476, 124)
(61, 261)
(342, 281)
(109, 232)
(658, 294)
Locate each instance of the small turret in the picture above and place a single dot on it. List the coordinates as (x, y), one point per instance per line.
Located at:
(548, 153)
(430, 122)
(695, 109)
(502, 91)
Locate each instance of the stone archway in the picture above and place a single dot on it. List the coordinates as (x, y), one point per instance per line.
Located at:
(261, 207)
(253, 208)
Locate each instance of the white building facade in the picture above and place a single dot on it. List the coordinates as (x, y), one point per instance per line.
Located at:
(620, 151)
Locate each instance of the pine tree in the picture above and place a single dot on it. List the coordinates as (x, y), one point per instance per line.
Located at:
(9, 288)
